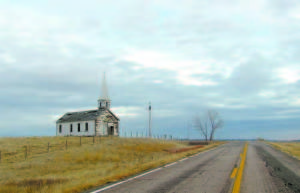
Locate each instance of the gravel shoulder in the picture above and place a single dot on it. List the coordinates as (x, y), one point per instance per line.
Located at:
(288, 161)
(269, 170)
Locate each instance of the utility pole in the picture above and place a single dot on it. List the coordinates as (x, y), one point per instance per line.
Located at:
(150, 134)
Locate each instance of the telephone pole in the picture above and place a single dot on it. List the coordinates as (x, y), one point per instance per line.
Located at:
(150, 134)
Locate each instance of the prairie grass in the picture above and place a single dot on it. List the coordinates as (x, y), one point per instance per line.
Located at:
(291, 148)
(80, 168)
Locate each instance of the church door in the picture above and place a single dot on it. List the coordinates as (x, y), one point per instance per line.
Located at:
(111, 130)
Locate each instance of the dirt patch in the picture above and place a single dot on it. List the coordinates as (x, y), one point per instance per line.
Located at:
(179, 150)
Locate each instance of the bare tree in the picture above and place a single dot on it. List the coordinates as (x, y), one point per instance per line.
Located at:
(208, 124)
(201, 124)
(215, 121)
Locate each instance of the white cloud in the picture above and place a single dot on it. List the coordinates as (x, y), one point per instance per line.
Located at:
(295, 102)
(7, 58)
(158, 81)
(187, 80)
(183, 68)
(127, 112)
(163, 113)
(289, 75)
(267, 94)
(138, 112)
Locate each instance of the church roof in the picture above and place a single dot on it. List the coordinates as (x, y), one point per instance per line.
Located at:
(83, 116)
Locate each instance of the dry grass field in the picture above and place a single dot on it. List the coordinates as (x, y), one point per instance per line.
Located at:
(79, 168)
(291, 148)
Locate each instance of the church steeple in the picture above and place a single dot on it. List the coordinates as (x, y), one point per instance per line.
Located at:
(104, 101)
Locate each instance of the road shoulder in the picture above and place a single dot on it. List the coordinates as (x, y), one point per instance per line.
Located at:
(270, 170)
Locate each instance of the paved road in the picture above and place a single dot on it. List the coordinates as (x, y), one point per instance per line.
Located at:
(209, 172)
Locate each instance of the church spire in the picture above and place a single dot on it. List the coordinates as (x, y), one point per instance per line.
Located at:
(104, 101)
(104, 93)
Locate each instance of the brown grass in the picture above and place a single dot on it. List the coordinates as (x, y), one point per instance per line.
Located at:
(291, 148)
(80, 168)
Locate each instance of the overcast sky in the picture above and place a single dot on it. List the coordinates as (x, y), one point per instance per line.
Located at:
(240, 58)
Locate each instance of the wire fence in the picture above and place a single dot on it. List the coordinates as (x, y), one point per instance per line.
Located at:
(132, 134)
(33, 150)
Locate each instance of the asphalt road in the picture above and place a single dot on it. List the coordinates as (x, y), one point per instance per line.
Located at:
(266, 170)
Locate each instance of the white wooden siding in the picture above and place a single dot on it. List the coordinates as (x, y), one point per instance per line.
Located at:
(66, 128)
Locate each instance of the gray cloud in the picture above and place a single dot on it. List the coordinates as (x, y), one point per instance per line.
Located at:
(250, 77)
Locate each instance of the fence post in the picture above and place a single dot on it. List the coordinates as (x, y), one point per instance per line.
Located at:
(25, 152)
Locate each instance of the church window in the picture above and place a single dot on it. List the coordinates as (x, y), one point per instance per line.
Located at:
(71, 128)
(86, 126)
(78, 127)
(59, 128)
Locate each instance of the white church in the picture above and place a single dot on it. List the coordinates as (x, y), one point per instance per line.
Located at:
(97, 122)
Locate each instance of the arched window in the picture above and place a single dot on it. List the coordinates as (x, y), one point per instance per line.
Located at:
(59, 128)
(86, 127)
(78, 127)
(71, 128)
